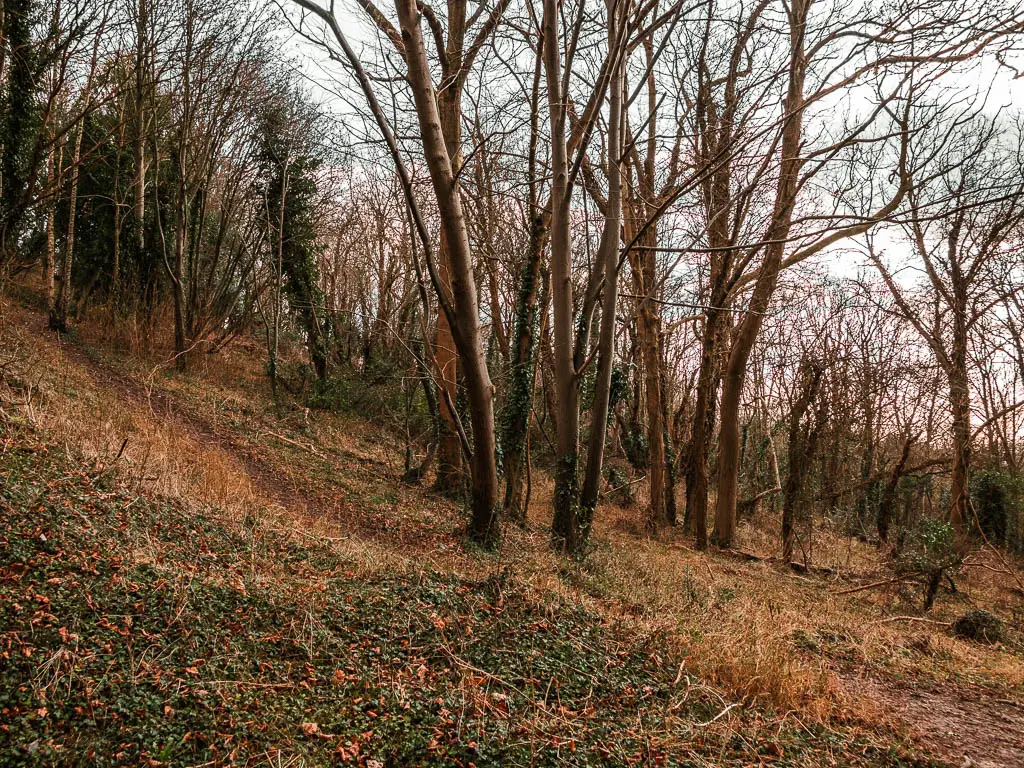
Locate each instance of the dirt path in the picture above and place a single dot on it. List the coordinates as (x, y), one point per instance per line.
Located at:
(311, 492)
(268, 479)
(964, 725)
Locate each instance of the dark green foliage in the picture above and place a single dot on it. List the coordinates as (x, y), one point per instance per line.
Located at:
(516, 414)
(979, 625)
(288, 157)
(620, 491)
(19, 121)
(332, 394)
(926, 552)
(587, 387)
(632, 434)
(569, 530)
(634, 443)
(515, 418)
(619, 391)
(103, 183)
(105, 177)
(997, 499)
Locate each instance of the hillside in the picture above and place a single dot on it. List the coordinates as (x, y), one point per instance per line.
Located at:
(191, 575)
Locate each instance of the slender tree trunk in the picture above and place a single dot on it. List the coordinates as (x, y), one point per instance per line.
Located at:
(718, 128)
(671, 515)
(889, 496)
(178, 281)
(275, 344)
(115, 276)
(449, 455)
(50, 254)
(565, 522)
(608, 255)
(479, 390)
(867, 461)
(800, 448)
(62, 302)
(139, 144)
(182, 222)
(960, 404)
(764, 287)
(520, 396)
(648, 334)
(703, 428)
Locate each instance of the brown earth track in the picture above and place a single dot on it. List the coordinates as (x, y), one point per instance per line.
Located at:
(268, 479)
(969, 726)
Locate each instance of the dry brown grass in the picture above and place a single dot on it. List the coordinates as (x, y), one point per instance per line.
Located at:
(57, 393)
(793, 641)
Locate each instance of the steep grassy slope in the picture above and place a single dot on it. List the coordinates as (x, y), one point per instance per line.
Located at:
(190, 575)
(139, 632)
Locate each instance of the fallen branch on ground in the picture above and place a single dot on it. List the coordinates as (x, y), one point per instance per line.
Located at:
(716, 717)
(913, 618)
(865, 587)
(297, 444)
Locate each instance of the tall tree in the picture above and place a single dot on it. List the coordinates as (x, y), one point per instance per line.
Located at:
(571, 328)
(964, 219)
(19, 117)
(291, 160)
(435, 109)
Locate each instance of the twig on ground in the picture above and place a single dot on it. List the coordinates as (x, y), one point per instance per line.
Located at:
(913, 618)
(864, 587)
(297, 444)
(718, 716)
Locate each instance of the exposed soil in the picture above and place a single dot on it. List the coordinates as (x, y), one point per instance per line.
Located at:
(966, 725)
(310, 496)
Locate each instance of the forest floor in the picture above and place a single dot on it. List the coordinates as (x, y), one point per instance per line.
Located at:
(191, 574)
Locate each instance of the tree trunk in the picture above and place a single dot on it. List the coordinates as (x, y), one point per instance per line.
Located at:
(178, 282)
(521, 374)
(648, 333)
(62, 302)
(800, 448)
(716, 192)
(520, 396)
(449, 455)
(275, 344)
(764, 287)
(867, 462)
(703, 428)
(960, 404)
(608, 256)
(50, 254)
(115, 274)
(479, 390)
(670, 455)
(565, 522)
(139, 144)
(889, 496)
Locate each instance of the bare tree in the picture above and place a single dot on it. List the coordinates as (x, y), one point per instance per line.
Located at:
(438, 114)
(963, 219)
